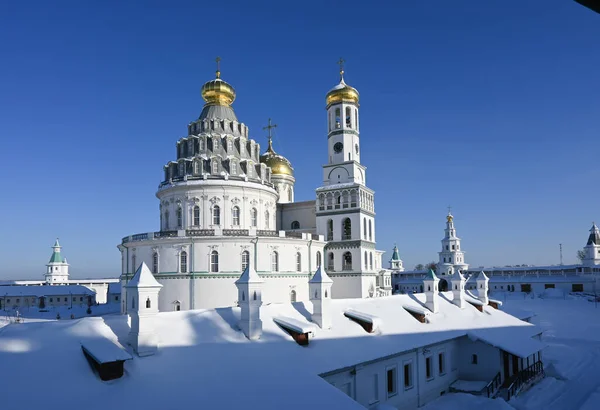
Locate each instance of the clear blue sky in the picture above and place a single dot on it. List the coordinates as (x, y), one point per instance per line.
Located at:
(489, 106)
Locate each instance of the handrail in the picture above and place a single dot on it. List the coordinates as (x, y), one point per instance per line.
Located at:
(493, 385)
(523, 377)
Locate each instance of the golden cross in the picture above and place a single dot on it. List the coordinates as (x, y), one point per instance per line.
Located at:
(270, 127)
(449, 209)
(341, 64)
(218, 60)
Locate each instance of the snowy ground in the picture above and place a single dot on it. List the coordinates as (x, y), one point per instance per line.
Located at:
(572, 332)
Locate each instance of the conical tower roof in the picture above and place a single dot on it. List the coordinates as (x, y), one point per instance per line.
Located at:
(320, 276)
(249, 276)
(395, 255)
(431, 275)
(143, 278)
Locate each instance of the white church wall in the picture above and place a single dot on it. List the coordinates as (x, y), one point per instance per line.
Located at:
(302, 212)
(345, 286)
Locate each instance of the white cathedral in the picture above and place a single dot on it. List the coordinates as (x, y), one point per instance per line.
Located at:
(224, 206)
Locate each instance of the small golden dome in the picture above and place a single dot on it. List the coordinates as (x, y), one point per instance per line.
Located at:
(449, 218)
(218, 92)
(279, 164)
(342, 93)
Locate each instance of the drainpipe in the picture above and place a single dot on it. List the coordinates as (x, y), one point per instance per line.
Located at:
(309, 256)
(255, 242)
(193, 281)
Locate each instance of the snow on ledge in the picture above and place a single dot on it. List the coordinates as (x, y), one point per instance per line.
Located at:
(498, 302)
(105, 351)
(293, 324)
(374, 321)
(418, 310)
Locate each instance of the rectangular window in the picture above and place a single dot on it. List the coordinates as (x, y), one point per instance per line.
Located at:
(375, 392)
(474, 359)
(408, 380)
(441, 363)
(577, 287)
(391, 381)
(428, 368)
(18, 300)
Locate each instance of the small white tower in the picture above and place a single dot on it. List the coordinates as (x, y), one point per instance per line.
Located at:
(395, 261)
(320, 296)
(430, 286)
(57, 269)
(142, 300)
(457, 282)
(592, 248)
(250, 300)
(482, 287)
(451, 258)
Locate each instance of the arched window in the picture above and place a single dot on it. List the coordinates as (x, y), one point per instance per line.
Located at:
(346, 229)
(177, 306)
(233, 168)
(253, 217)
(371, 260)
(365, 228)
(179, 217)
(196, 214)
(215, 166)
(166, 220)
(155, 262)
(356, 119)
(318, 259)
(196, 168)
(337, 118)
(348, 117)
(243, 296)
(330, 230)
(201, 144)
(214, 261)
(245, 260)
(370, 231)
(216, 215)
(330, 262)
(293, 296)
(337, 200)
(133, 303)
(290, 194)
(235, 214)
(325, 293)
(366, 261)
(254, 296)
(266, 219)
(183, 261)
(298, 262)
(215, 142)
(295, 225)
(133, 262)
(148, 303)
(347, 260)
(275, 261)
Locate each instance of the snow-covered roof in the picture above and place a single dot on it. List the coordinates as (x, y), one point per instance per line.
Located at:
(537, 279)
(105, 350)
(518, 346)
(38, 291)
(249, 276)
(143, 278)
(206, 357)
(114, 287)
(320, 276)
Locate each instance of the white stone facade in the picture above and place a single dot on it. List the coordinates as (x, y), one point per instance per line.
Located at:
(219, 203)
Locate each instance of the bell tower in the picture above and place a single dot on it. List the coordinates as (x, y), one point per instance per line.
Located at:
(345, 205)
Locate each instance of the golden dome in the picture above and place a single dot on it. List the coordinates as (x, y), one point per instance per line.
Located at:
(342, 93)
(449, 218)
(218, 92)
(279, 164)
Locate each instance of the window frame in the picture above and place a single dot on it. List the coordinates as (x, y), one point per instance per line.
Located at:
(442, 365)
(408, 364)
(394, 370)
(429, 370)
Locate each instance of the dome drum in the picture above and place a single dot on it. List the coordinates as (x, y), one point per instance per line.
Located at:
(238, 129)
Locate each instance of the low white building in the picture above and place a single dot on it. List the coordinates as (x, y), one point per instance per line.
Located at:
(57, 274)
(43, 297)
(584, 277)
